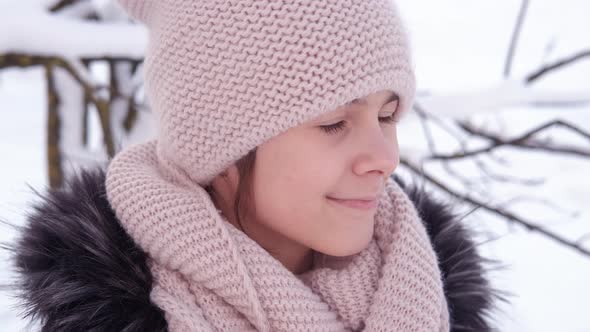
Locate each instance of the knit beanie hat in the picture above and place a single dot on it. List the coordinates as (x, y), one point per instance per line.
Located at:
(224, 76)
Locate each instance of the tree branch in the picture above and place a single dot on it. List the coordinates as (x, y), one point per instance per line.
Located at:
(524, 141)
(62, 4)
(560, 63)
(515, 36)
(425, 117)
(102, 106)
(498, 211)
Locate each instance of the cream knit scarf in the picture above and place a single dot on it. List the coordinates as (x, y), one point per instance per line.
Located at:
(210, 276)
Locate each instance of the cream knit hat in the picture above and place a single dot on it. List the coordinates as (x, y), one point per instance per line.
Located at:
(224, 76)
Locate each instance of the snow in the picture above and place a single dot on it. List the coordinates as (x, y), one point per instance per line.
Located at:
(22, 140)
(460, 48)
(508, 93)
(75, 38)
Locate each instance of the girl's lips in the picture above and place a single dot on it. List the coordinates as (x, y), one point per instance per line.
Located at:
(356, 204)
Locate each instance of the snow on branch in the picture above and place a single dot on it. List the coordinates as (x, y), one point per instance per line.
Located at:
(39, 32)
(506, 94)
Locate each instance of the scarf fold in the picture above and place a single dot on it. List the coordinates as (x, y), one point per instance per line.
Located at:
(394, 284)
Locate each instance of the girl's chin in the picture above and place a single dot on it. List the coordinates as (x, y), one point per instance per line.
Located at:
(350, 246)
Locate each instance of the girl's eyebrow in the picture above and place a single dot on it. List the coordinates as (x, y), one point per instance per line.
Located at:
(363, 101)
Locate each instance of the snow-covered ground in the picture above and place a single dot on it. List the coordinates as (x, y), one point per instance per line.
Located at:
(459, 47)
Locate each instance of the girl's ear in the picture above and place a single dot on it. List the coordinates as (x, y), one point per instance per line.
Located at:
(140, 10)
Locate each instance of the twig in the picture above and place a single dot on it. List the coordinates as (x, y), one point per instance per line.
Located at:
(62, 4)
(541, 201)
(469, 183)
(523, 141)
(424, 117)
(560, 63)
(23, 60)
(501, 212)
(515, 36)
(26, 60)
(528, 142)
(505, 178)
(425, 128)
(429, 116)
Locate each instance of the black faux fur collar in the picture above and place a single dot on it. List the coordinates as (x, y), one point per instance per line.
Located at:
(79, 271)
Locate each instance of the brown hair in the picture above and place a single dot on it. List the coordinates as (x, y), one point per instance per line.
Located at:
(244, 195)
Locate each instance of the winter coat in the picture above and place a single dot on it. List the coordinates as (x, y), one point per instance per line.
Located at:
(78, 270)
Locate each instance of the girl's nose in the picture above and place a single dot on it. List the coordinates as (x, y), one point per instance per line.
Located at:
(377, 153)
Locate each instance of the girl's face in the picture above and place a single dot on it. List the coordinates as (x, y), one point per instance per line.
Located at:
(313, 184)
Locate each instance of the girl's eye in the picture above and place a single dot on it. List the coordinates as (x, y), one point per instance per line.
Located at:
(389, 119)
(336, 127)
(333, 128)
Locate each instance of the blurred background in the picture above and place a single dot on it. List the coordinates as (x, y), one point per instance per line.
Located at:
(501, 128)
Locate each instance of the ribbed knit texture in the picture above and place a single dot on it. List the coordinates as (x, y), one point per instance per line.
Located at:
(210, 276)
(222, 77)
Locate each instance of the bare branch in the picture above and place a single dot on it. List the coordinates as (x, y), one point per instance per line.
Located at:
(423, 113)
(62, 4)
(524, 141)
(425, 116)
(425, 128)
(469, 183)
(527, 140)
(27, 60)
(498, 211)
(102, 105)
(541, 201)
(505, 178)
(558, 64)
(515, 36)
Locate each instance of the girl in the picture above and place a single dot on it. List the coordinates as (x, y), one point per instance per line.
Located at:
(266, 201)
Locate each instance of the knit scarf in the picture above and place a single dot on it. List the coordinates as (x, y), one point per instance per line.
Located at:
(209, 275)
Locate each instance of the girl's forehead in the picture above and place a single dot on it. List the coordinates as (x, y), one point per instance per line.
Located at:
(346, 108)
(363, 101)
